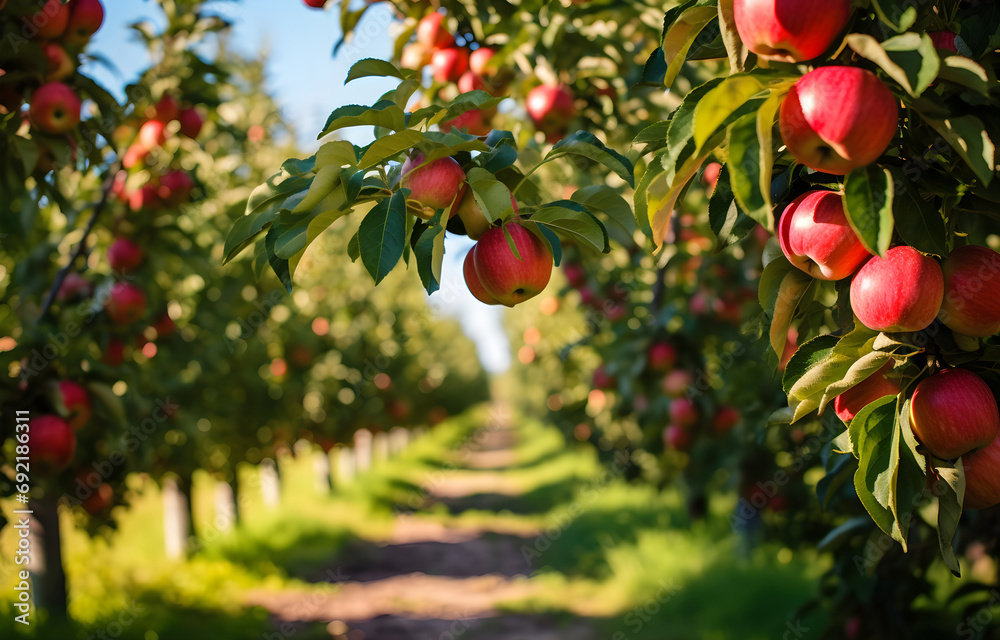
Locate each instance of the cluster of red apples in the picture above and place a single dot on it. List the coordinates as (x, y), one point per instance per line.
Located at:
(62, 31)
(836, 119)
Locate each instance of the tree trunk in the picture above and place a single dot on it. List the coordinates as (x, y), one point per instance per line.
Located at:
(380, 447)
(176, 518)
(225, 506)
(363, 450)
(321, 471)
(345, 465)
(48, 575)
(270, 487)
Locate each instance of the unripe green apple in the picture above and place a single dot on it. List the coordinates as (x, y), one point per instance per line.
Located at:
(472, 216)
(900, 292)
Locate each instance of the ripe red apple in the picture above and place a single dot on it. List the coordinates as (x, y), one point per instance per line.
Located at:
(725, 419)
(165, 327)
(144, 197)
(60, 64)
(191, 122)
(790, 30)
(166, 109)
(448, 65)
(315, 4)
(51, 19)
(479, 59)
(472, 279)
(434, 185)
(175, 187)
(85, 18)
(472, 216)
(474, 121)
(73, 287)
(99, 499)
(414, 56)
(125, 256)
(575, 274)
(52, 442)
(848, 404)
(550, 107)
(661, 356)
(470, 81)
(505, 277)
(971, 303)
(982, 476)
(55, 108)
(76, 401)
(836, 119)
(114, 353)
(954, 412)
(152, 134)
(677, 382)
(710, 176)
(676, 437)
(432, 33)
(126, 303)
(901, 292)
(815, 236)
(944, 40)
(683, 412)
(604, 380)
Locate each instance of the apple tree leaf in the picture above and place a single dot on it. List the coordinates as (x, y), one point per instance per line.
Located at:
(729, 224)
(898, 15)
(868, 197)
(572, 219)
(492, 196)
(372, 67)
(586, 144)
(951, 494)
(721, 102)
(745, 173)
(429, 252)
(968, 136)
(385, 113)
(872, 434)
(910, 59)
(382, 234)
(918, 222)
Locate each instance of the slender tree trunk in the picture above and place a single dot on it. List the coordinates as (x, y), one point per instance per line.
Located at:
(363, 450)
(176, 518)
(225, 506)
(321, 472)
(48, 575)
(270, 487)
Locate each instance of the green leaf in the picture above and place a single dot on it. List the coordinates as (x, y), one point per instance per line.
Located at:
(918, 222)
(381, 236)
(354, 248)
(729, 224)
(872, 431)
(745, 173)
(372, 67)
(909, 59)
(951, 494)
(492, 196)
(572, 219)
(327, 179)
(337, 153)
(278, 265)
(766, 115)
(429, 252)
(868, 197)
(352, 179)
(550, 237)
(262, 208)
(899, 15)
(386, 114)
(720, 103)
(389, 147)
(681, 129)
(968, 136)
(966, 73)
(735, 49)
(859, 371)
(809, 355)
(586, 144)
(599, 198)
(680, 36)
(792, 290)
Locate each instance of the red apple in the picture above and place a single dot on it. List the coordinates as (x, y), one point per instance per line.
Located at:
(982, 476)
(126, 303)
(575, 274)
(474, 121)
(954, 412)
(849, 403)
(414, 56)
(677, 382)
(152, 134)
(432, 33)
(479, 59)
(166, 109)
(676, 437)
(604, 380)
(434, 185)
(836, 119)
(470, 81)
(51, 19)
(509, 279)
(683, 412)
(114, 353)
(85, 18)
(73, 287)
(76, 402)
(448, 65)
(710, 176)
(815, 236)
(725, 419)
(144, 198)
(315, 4)
(943, 40)
(125, 256)
(472, 279)
(175, 187)
(99, 499)
(55, 108)
(52, 442)
(971, 303)
(901, 292)
(550, 107)
(472, 216)
(191, 122)
(661, 356)
(60, 64)
(134, 155)
(165, 326)
(790, 30)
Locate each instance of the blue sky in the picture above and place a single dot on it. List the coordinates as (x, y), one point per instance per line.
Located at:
(308, 83)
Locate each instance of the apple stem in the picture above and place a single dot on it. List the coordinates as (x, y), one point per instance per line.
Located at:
(81, 245)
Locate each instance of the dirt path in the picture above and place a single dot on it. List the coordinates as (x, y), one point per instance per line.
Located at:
(434, 581)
